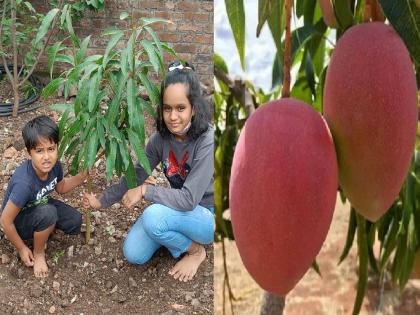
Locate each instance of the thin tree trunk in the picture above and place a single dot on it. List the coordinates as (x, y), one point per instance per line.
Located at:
(15, 82)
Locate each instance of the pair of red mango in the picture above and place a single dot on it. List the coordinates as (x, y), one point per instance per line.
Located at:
(287, 168)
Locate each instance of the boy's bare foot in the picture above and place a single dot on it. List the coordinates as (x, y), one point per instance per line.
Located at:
(40, 265)
(186, 268)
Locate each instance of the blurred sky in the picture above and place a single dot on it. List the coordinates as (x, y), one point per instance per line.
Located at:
(259, 52)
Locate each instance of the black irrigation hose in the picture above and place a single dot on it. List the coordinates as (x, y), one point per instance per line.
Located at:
(6, 109)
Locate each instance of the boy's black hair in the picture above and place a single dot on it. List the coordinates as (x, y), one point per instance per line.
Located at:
(184, 73)
(39, 127)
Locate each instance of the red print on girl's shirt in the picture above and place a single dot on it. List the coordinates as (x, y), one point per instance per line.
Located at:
(176, 172)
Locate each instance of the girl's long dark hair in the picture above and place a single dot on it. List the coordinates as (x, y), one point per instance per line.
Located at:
(200, 122)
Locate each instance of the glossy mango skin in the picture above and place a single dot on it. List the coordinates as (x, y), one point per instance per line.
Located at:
(370, 104)
(282, 192)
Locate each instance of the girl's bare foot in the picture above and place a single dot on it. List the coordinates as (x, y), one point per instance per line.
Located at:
(186, 268)
(40, 265)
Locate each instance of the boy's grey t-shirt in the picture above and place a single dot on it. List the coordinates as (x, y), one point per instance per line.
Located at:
(188, 166)
(26, 189)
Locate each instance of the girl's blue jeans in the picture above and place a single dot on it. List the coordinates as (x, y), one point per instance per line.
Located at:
(162, 226)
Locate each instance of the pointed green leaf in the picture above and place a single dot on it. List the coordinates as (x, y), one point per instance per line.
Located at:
(110, 159)
(138, 148)
(130, 175)
(151, 89)
(123, 15)
(151, 20)
(45, 25)
(236, 15)
(404, 16)
(52, 87)
(52, 52)
(111, 44)
(151, 53)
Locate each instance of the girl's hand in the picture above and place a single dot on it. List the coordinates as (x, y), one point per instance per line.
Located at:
(90, 200)
(151, 180)
(132, 196)
(26, 256)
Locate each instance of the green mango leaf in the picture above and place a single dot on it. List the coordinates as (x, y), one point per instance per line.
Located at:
(155, 39)
(404, 16)
(111, 44)
(151, 89)
(130, 175)
(219, 63)
(111, 31)
(152, 54)
(138, 148)
(52, 87)
(351, 231)
(92, 149)
(124, 151)
(169, 49)
(29, 6)
(151, 20)
(150, 109)
(110, 159)
(236, 15)
(94, 90)
(276, 22)
(62, 123)
(81, 52)
(69, 25)
(72, 146)
(343, 13)
(100, 126)
(51, 53)
(64, 14)
(363, 263)
(45, 25)
(65, 59)
(62, 107)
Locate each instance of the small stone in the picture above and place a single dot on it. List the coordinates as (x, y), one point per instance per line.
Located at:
(35, 291)
(119, 263)
(5, 187)
(64, 303)
(111, 239)
(20, 273)
(98, 250)
(52, 310)
(56, 285)
(207, 292)
(178, 307)
(114, 289)
(143, 280)
(9, 153)
(170, 312)
(5, 259)
(116, 206)
(132, 282)
(189, 296)
(195, 303)
(10, 167)
(108, 284)
(70, 251)
(161, 290)
(92, 241)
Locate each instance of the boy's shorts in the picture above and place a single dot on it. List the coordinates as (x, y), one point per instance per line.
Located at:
(38, 218)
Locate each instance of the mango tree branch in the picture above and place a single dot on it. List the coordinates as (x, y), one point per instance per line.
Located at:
(238, 90)
(287, 51)
(38, 57)
(9, 74)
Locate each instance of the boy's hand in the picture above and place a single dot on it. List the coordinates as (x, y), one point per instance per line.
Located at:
(132, 196)
(90, 200)
(26, 256)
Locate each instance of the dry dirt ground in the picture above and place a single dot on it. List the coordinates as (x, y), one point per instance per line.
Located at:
(95, 278)
(333, 294)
